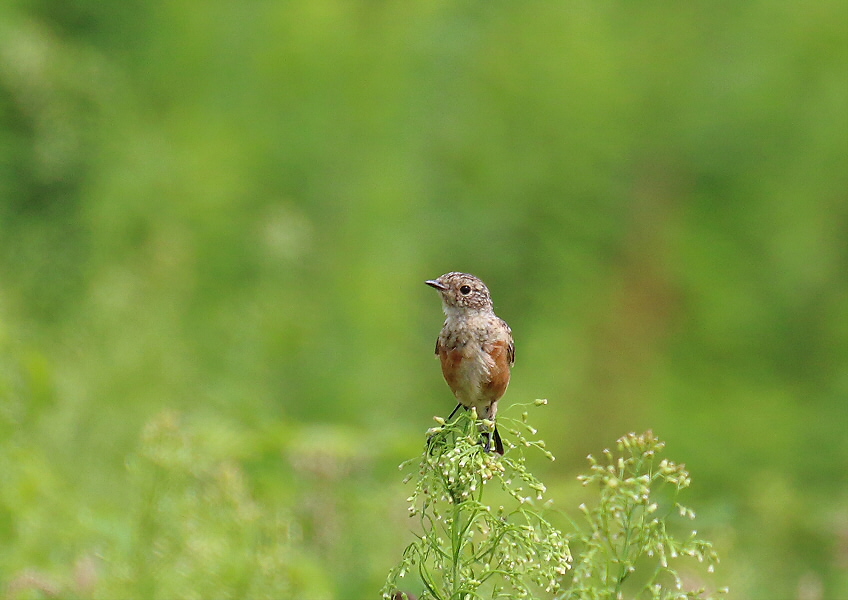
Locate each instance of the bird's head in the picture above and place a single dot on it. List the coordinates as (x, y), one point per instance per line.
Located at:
(461, 292)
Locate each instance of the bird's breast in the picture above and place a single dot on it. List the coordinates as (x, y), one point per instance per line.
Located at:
(474, 359)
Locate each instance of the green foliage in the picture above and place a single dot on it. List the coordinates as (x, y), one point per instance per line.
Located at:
(192, 529)
(227, 212)
(626, 547)
(197, 530)
(470, 549)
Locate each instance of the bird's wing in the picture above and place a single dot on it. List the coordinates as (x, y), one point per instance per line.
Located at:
(510, 350)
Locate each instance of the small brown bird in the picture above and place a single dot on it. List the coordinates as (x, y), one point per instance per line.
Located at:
(475, 347)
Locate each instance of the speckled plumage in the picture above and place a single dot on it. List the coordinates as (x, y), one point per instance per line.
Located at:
(475, 346)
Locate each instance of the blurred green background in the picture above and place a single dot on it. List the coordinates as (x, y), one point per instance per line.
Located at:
(215, 224)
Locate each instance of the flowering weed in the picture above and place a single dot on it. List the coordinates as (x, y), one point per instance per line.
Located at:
(486, 534)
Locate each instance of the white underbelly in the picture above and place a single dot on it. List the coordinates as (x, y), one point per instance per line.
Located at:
(473, 375)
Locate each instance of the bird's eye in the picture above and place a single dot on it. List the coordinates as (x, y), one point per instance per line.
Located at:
(465, 290)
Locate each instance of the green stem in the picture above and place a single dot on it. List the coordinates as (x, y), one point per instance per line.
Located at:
(456, 545)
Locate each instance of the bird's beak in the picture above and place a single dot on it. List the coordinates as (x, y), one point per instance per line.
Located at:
(439, 286)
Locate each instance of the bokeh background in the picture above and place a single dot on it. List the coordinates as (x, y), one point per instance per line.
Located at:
(216, 220)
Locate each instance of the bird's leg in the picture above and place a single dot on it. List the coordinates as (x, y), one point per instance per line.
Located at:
(493, 435)
(454, 411)
(431, 437)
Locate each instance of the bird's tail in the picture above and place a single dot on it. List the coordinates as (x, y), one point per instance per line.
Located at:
(499, 447)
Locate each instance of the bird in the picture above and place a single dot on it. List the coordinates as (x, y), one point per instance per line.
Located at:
(475, 348)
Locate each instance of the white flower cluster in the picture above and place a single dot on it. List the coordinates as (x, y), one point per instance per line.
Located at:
(629, 524)
(469, 546)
